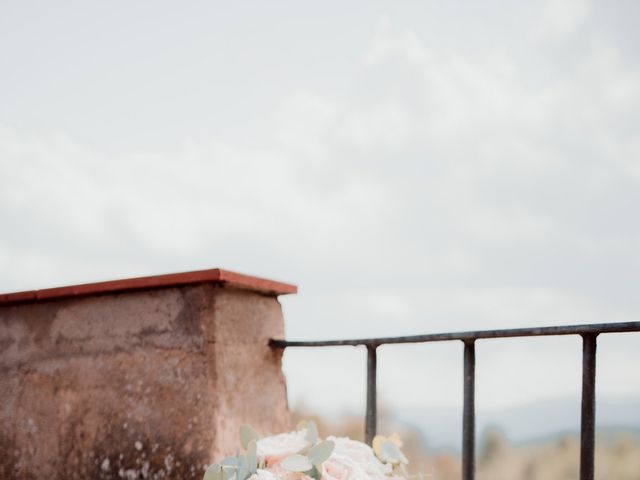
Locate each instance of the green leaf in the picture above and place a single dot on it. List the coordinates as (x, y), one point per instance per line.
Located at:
(229, 473)
(320, 452)
(252, 456)
(312, 432)
(246, 435)
(391, 453)
(315, 472)
(242, 472)
(230, 462)
(214, 472)
(297, 463)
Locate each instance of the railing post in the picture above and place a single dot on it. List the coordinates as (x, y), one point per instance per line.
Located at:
(468, 412)
(587, 426)
(371, 417)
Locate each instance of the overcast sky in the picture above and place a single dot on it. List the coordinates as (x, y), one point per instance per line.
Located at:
(413, 166)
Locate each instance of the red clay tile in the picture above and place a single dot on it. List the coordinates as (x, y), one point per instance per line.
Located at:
(214, 275)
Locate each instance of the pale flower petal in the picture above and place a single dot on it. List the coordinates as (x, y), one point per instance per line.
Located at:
(352, 460)
(262, 475)
(276, 448)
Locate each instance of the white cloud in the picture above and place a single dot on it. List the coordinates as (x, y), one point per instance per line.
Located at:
(492, 184)
(386, 43)
(564, 17)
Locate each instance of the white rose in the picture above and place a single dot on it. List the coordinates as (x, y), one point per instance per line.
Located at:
(262, 475)
(352, 460)
(281, 473)
(273, 449)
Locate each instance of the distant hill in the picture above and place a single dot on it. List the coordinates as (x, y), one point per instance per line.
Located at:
(442, 427)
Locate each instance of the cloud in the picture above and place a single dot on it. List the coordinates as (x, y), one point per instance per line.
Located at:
(563, 17)
(498, 185)
(443, 188)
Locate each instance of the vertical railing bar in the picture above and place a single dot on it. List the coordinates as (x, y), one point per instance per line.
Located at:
(468, 412)
(588, 404)
(371, 415)
(588, 412)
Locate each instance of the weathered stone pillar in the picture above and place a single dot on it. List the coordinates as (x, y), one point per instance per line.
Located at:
(140, 378)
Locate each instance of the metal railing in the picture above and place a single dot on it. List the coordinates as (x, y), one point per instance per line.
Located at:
(589, 334)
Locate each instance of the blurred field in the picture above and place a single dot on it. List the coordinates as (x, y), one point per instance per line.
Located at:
(617, 454)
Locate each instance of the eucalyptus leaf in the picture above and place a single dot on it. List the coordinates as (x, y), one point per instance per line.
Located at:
(252, 456)
(391, 453)
(242, 472)
(297, 463)
(378, 440)
(320, 452)
(312, 432)
(246, 435)
(230, 462)
(315, 472)
(214, 472)
(229, 472)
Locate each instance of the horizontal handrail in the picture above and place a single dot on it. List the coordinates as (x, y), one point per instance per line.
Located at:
(584, 329)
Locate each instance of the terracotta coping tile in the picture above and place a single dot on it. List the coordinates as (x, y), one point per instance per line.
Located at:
(214, 275)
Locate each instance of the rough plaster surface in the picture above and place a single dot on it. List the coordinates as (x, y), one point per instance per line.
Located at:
(150, 384)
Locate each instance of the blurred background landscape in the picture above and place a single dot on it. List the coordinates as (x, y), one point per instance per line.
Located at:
(519, 455)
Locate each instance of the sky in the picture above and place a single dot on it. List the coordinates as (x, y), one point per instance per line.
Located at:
(413, 167)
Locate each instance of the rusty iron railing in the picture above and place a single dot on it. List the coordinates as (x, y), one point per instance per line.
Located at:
(588, 333)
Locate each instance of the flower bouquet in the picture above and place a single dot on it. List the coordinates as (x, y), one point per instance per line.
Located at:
(302, 455)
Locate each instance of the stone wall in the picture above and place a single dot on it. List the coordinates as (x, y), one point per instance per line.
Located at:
(139, 383)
